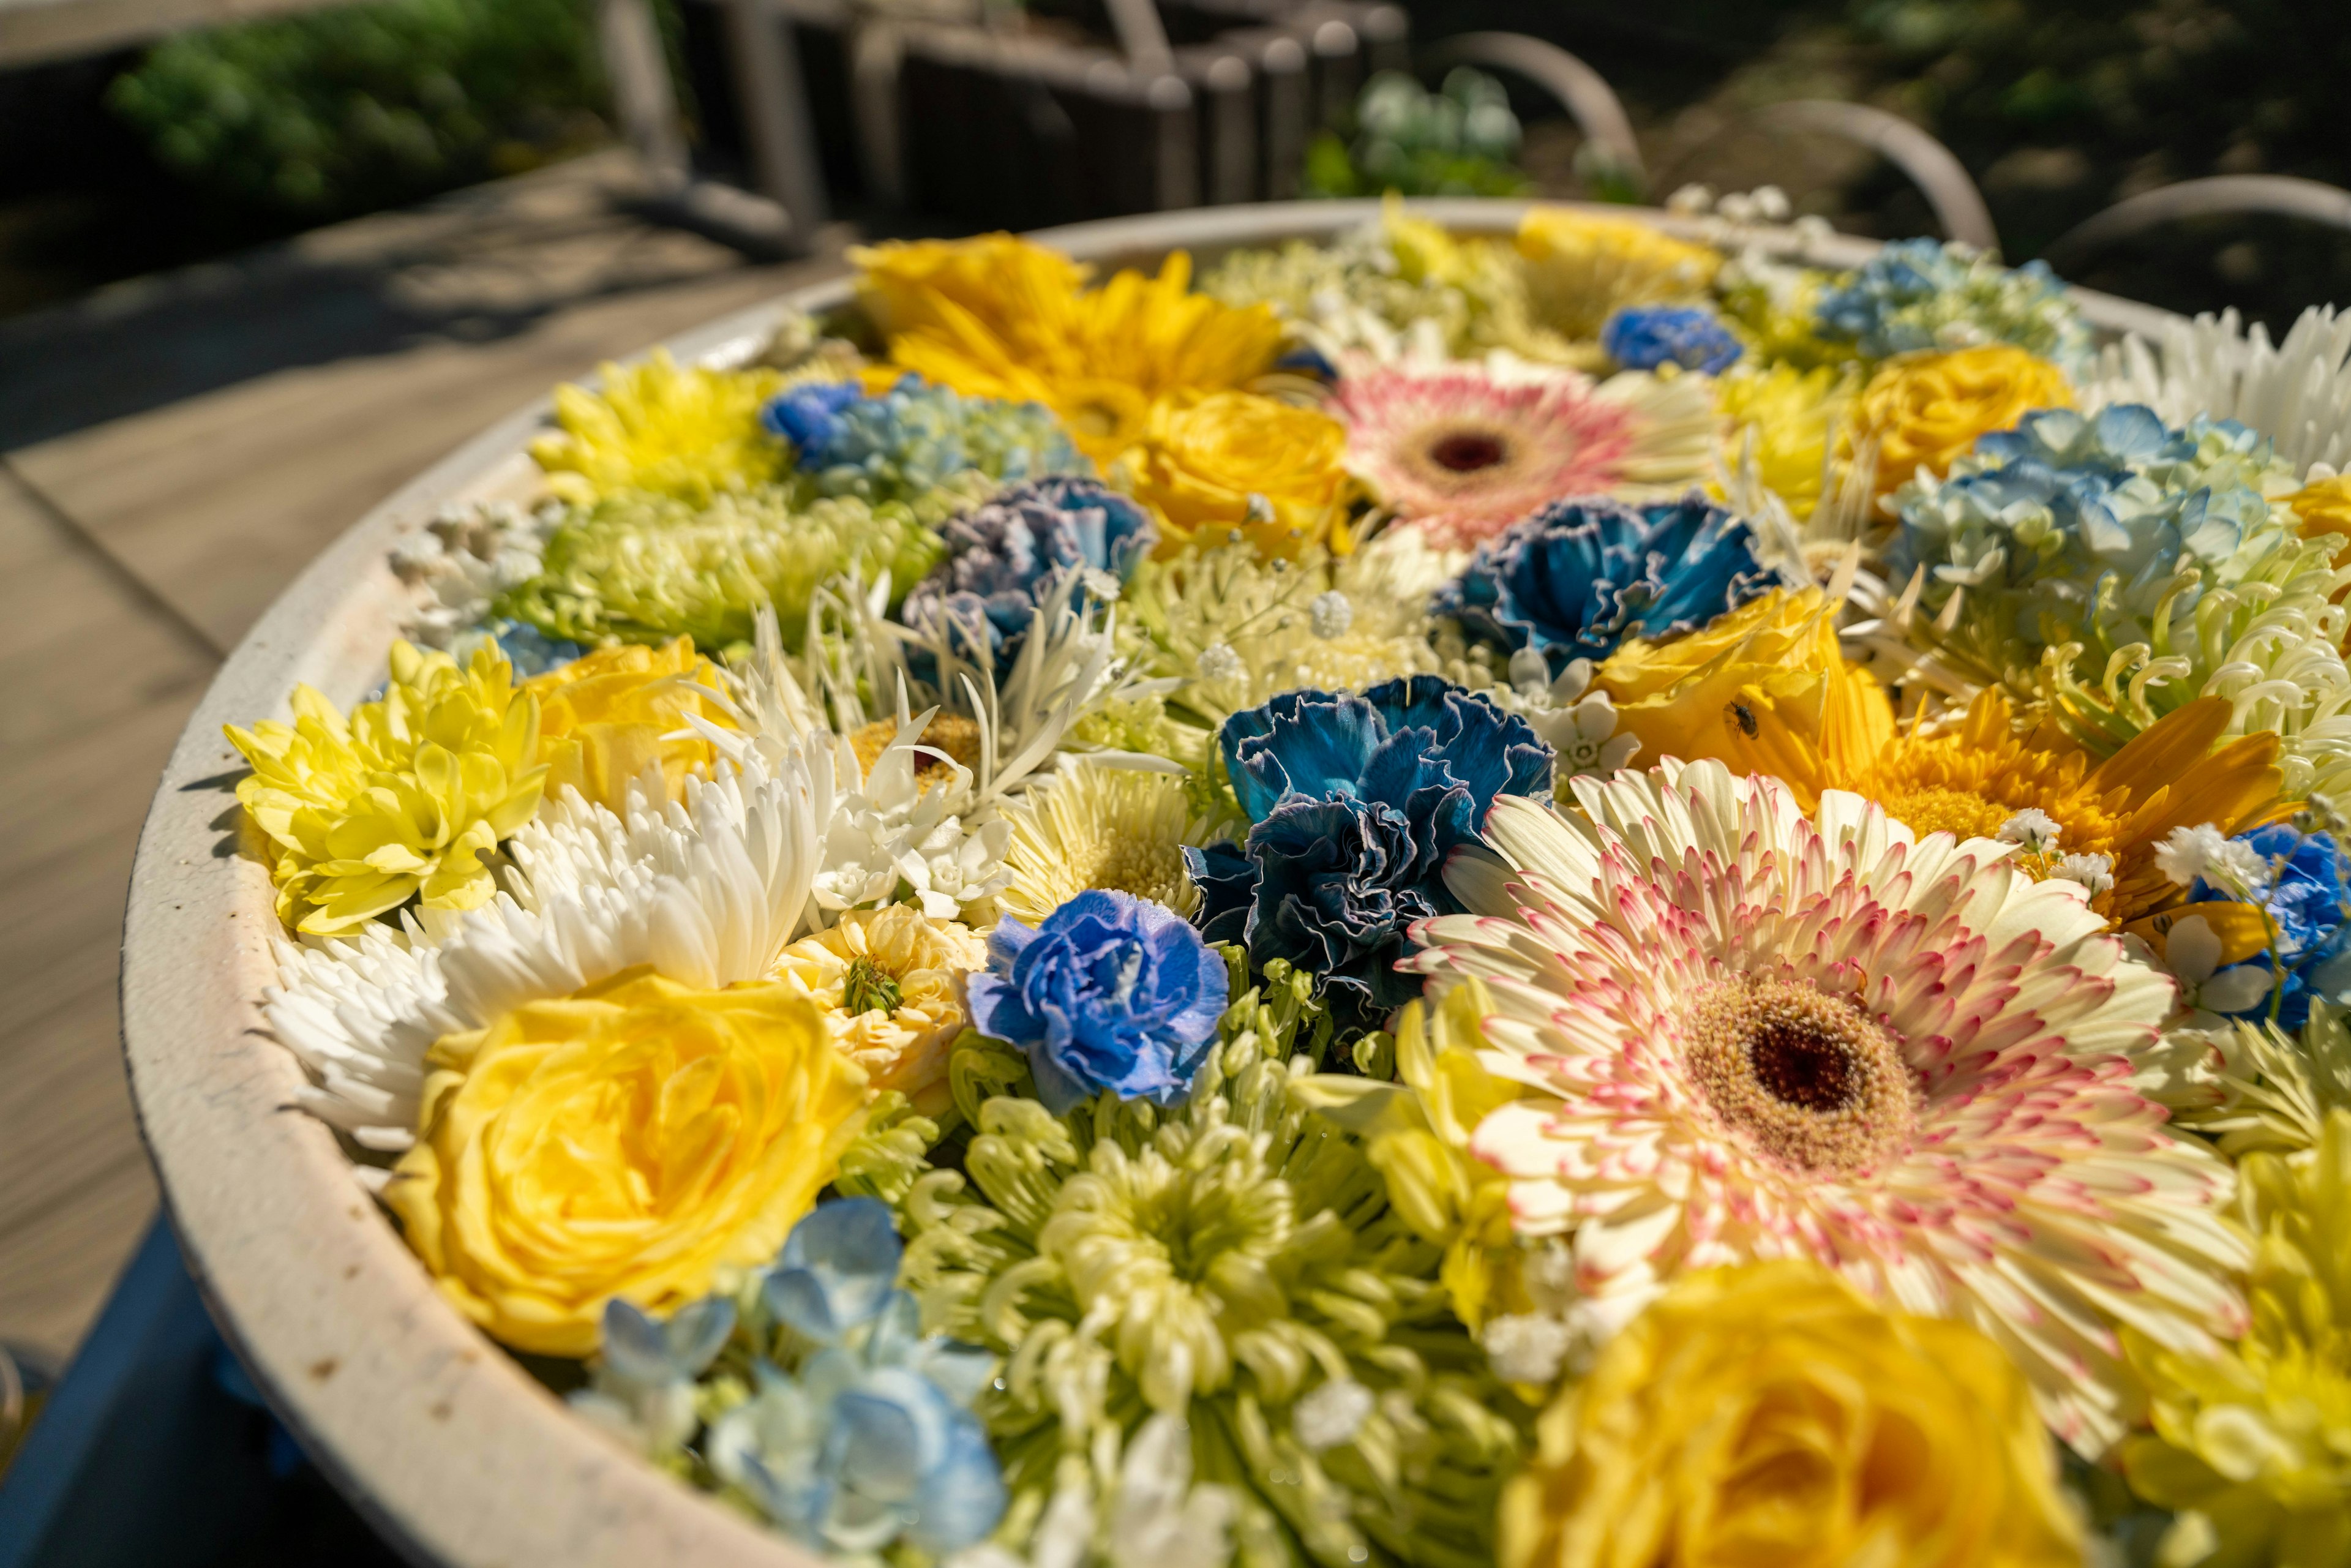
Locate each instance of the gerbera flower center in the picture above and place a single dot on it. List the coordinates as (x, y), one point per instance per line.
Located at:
(1812, 1080)
(951, 733)
(1936, 809)
(1467, 451)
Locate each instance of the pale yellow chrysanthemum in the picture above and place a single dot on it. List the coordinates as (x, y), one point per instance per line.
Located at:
(687, 433)
(889, 984)
(2271, 1090)
(1791, 417)
(1112, 828)
(402, 800)
(1582, 267)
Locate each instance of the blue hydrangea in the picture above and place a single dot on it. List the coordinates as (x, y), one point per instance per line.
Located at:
(1004, 557)
(646, 1371)
(870, 1441)
(1111, 994)
(1576, 579)
(906, 442)
(1355, 802)
(1919, 294)
(1643, 336)
(2306, 898)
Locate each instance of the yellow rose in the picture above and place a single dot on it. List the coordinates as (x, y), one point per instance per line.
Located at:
(629, 1140)
(1924, 409)
(605, 717)
(1770, 1416)
(1227, 460)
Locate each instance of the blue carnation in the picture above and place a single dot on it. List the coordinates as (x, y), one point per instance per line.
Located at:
(1112, 993)
(2305, 898)
(1006, 556)
(1355, 803)
(1643, 336)
(870, 1440)
(912, 438)
(1576, 579)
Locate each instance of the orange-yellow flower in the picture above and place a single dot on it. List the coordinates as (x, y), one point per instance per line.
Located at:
(1212, 462)
(1924, 409)
(605, 717)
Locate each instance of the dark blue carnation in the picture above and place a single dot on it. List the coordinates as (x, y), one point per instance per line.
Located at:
(1003, 557)
(2307, 899)
(1643, 337)
(1576, 579)
(1112, 993)
(1356, 801)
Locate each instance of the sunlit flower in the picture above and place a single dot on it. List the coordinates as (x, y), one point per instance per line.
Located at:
(399, 801)
(1131, 1260)
(629, 1140)
(2251, 1442)
(912, 438)
(1461, 449)
(1571, 713)
(2271, 1090)
(1769, 1414)
(1792, 418)
(1582, 268)
(890, 982)
(605, 717)
(1758, 1034)
(1920, 294)
(2297, 883)
(1116, 828)
(688, 433)
(1004, 555)
(2323, 508)
(2298, 392)
(1924, 410)
(1347, 297)
(1222, 463)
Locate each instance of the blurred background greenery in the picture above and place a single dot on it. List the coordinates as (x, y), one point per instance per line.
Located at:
(2058, 107)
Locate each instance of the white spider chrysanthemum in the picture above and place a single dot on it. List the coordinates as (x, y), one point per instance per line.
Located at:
(708, 892)
(2298, 392)
(1752, 1034)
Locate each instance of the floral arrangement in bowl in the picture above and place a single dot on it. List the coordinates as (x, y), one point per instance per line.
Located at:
(1580, 898)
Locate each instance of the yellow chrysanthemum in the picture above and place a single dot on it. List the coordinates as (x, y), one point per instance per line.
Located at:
(651, 427)
(1214, 462)
(1583, 267)
(630, 1140)
(1113, 827)
(1791, 416)
(1769, 1414)
(1764, 689)
(890, 982)
(1924, 409)
(401, 800)
(2251, 1446)
(1969, 782)
(997, 317)
(605, 717)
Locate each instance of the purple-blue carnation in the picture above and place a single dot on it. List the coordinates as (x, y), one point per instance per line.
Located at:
(1004, 555)
(1112, 993)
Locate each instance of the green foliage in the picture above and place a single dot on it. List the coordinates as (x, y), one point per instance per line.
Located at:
(351, 110)
(1456, 143)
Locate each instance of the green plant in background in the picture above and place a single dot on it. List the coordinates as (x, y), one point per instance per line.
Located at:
(348, 111)
(1457, 141)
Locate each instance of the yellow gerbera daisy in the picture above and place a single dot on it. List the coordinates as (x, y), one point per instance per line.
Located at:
(687, 433)
(1113, 827)
(1582, 267)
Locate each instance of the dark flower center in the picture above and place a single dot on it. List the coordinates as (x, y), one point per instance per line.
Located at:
(1810, 1078)
(1799, 1064)
(1467, 451)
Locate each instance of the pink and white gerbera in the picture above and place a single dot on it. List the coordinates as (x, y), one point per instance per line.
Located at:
(1746, 1034)
(1463, 449)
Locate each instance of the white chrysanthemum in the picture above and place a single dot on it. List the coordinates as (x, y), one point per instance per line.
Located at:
(1156, 1517)
(1752, 1034)
(708, 892)
(2271, 1090)
(1118, 828)
(2298, 393)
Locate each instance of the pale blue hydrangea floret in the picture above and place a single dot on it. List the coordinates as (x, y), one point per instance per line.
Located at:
(912, 437)
(1920, 294)
(1643, 337)
(871, 1441)
(644, 1382)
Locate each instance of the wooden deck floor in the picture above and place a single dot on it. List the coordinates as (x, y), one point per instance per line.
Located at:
(171, 452)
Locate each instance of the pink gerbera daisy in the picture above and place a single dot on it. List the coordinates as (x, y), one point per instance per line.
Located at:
(1463, 449)
(1748, 1034)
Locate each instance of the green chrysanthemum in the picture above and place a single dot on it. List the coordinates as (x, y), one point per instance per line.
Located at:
(1235, 1262)
(642, 567)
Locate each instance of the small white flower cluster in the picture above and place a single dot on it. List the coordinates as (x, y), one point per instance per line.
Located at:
(2236, 868)
(465, 558)
(1564, 1331)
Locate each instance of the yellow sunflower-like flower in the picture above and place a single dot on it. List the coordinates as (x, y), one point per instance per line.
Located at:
(1924, 409)
(1791, 416)
(1768, 1414)
(890, 982)
(1972, 780)
(1211, 462)
(997, 317)
(1583, 267)
(630, 1140)
(686, 432)
(2251, 1446)
(1764, 689)
(402, 800)
(605, 717)
(1113, 827)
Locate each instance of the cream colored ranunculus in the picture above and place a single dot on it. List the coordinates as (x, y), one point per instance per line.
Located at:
(889, 985)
